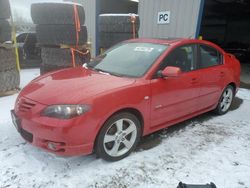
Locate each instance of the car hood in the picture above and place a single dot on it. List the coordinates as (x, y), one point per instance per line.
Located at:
(72, 86)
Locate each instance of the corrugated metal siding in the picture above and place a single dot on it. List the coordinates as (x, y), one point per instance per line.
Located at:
(183, 18)
(90, 12)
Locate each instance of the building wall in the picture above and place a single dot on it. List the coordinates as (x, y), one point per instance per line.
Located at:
(184, 18)
(90, 13)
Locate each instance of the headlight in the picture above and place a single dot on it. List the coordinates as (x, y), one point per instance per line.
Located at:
(65, 111)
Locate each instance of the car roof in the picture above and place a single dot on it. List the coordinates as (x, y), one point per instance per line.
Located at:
(174, 41)
(166, 41)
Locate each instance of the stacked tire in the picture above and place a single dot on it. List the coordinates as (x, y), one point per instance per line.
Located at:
(57, 25)
(9, 75)
(114, 28)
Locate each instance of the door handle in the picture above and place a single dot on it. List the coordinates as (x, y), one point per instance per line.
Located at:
(222, 74)
(194, 81)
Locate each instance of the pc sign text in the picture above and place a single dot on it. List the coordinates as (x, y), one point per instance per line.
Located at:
(163, 17)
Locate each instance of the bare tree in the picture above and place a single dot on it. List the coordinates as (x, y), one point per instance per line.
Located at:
(22, 23)
(19, 18)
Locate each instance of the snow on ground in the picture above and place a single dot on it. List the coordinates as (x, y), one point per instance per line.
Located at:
(204, 149)
(245, 72)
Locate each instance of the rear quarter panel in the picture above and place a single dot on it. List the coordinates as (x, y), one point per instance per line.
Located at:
(233, 70)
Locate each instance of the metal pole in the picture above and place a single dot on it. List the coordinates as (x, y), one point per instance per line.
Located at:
(15, 42)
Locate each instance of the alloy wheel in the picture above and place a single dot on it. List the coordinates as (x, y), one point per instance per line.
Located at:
(226, 100)
(120, 137)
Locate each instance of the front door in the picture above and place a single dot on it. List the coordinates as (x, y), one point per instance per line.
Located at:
(176, 97)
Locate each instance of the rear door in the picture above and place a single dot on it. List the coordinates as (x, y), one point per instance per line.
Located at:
(211, 67)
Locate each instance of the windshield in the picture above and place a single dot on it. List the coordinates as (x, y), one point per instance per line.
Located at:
(128, 59)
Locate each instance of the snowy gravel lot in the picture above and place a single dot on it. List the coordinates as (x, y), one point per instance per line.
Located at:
(204, 149)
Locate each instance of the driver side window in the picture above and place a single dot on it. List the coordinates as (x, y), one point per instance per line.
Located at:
(182, 57)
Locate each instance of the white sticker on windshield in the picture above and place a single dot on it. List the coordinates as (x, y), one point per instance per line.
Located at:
(143, 49)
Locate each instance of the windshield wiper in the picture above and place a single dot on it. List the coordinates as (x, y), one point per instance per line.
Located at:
(107, 72)
(116, 74)
(101, 71)
(88, 66)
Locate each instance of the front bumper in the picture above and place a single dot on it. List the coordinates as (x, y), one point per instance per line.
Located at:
(62, 137)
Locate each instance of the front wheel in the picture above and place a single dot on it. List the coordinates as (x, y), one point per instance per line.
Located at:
(118, 137)
(225, 101)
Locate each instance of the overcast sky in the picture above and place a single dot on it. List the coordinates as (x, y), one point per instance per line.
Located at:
(22, 7)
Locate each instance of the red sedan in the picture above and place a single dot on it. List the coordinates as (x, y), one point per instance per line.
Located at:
(135, 88)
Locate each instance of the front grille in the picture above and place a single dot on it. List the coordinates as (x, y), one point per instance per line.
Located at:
(24, 105)
(26, 135)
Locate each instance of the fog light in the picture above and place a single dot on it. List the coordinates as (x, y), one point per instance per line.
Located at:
(52, 146)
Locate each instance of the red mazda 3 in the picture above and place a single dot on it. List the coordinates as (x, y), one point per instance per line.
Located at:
(135, 88)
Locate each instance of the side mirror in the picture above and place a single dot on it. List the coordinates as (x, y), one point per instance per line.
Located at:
(170, 72)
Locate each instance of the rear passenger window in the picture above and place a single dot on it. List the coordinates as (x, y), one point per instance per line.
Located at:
(209, 57)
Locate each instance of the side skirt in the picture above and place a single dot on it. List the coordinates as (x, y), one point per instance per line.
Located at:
(175, 121)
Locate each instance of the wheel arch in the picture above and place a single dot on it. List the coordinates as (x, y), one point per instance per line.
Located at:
(130, 110)
(135, 112)
(234, 86)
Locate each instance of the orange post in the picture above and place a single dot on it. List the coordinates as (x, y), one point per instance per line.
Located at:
(78, 29)
(133, 21)
(73, 57)
(77, 24)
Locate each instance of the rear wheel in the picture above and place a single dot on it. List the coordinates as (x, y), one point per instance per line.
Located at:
(59, 57)
(225, 100)
(107, 40)
(118, 137)
(56, 13)
(58, 34)
(7, 59)
(9, 80)
(5, 9)
(5, 31)
(118, 23)
(45, 68)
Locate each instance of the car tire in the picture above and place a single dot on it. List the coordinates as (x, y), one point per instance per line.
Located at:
(121, 128)
(225, 101)
(56, 13)
(30, 63)
(107, 40)
(45, 68)
(7, 60)
(60, 34)
(59, 57)
(9, 80)
(5, 9)
(117, 23)
(5, 31)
